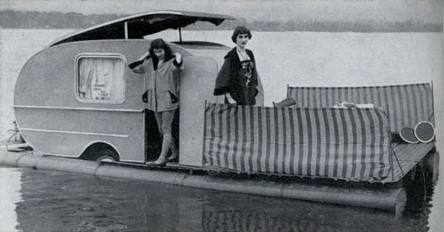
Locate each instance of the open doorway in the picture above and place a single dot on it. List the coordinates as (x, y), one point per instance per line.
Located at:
(153, 138)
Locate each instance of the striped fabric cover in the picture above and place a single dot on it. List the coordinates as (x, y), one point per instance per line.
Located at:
(406, 105)
(351, 144)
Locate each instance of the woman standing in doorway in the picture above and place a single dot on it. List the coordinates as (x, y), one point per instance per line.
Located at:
(238, 79)
(161, 69)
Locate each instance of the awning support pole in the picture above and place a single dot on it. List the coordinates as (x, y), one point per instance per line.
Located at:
(180, 34)
(126, 30)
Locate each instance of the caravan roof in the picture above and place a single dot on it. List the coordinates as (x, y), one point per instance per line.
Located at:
(139, 25)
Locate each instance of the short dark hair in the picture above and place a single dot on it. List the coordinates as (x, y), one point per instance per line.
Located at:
(160, 44)
(238, 31)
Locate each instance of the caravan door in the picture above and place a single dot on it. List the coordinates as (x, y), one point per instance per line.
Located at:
(197, 85)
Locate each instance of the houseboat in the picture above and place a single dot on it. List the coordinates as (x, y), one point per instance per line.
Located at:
(78, 98)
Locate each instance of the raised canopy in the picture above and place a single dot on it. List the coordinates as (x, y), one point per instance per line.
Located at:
(139, 25)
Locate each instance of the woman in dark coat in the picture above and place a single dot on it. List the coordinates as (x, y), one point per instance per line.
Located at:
(238, 79)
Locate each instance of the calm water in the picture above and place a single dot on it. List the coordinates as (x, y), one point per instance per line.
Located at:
(59, 201)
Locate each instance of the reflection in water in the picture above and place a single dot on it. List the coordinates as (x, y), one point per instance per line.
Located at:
(298, 216)
(436, 212)
(9, 196)
(59, 201)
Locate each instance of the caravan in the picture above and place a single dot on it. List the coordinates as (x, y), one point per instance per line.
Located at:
(78, 98)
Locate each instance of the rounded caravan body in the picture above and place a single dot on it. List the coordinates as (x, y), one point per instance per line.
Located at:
(78, 97)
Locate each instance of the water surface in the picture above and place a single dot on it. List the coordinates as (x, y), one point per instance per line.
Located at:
(61, 201)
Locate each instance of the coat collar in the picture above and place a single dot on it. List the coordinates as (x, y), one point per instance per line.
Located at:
(160, 65)
(233, 54)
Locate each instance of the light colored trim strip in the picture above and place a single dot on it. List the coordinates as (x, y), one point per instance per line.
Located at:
(74, 132)
(126, 29)
(58, 154)
(79, 108)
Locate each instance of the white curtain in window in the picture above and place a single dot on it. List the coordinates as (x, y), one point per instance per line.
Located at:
(101, 78)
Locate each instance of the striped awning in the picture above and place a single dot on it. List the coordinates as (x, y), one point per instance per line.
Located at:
(350, 144)
(406, 105)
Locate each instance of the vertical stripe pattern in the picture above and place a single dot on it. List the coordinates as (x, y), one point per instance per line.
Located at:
(406, 105)
(350, 144)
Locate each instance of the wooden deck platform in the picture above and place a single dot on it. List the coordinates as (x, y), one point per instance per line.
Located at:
(409, 155)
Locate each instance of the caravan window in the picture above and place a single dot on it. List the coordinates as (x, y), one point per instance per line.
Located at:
(101, 78)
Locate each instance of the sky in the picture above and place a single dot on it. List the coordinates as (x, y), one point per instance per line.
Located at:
(267, 10)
